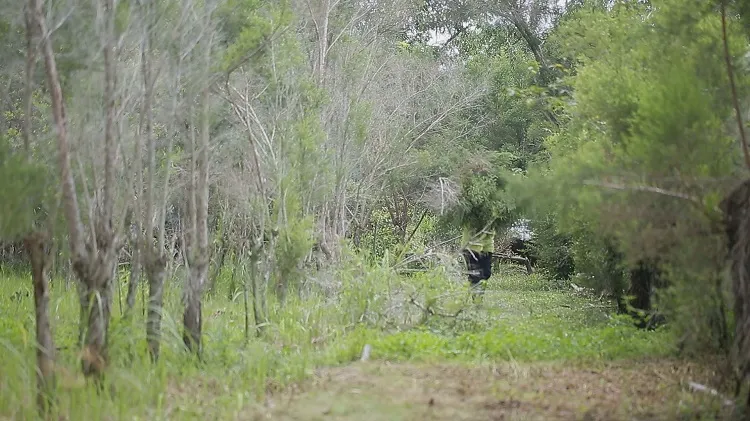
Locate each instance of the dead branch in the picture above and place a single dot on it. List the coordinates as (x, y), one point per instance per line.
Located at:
(697, 387)
(431, 311)
(644, 188)
(515, 259)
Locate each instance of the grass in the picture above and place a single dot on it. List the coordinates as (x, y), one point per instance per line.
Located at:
(547, 345)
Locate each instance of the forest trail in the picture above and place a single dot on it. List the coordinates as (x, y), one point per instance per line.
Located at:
(525, 353)
(375, 391)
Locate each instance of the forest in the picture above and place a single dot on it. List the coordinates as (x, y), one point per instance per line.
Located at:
(259, 209)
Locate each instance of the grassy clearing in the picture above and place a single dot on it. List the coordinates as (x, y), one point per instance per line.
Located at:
(622, 390)
(524, 327)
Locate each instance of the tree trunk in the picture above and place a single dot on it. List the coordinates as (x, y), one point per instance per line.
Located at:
(192, 317)
(70, 197)
(245, 300)
(98, 270)
(157, 273)
(93, 261)
(222, 250)
(642, 280)
(199, 253)
(258, 300)
(97, 291)
(736, 208)
(38, 246)
(135, 275)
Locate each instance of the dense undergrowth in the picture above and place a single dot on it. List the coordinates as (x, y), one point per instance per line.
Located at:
(404, 318)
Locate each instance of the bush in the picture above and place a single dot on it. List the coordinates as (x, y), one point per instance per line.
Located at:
(552, 249)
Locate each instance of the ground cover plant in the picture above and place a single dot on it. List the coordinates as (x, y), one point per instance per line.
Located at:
(529, 349)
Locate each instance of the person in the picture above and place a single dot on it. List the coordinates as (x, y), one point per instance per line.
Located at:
(478, 246)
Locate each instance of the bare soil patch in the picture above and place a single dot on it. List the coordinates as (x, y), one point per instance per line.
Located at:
(626, 390)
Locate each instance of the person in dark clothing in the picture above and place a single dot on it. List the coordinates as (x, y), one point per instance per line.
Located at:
(478, 248)
(479, 265)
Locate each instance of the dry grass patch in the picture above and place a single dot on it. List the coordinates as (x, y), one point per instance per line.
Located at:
(625, 390)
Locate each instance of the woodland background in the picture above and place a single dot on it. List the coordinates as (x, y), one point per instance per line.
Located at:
(272, 186)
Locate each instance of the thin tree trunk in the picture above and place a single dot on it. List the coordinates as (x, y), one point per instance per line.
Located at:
(255, 292)
(736, 208)
(192, 318)
(94, 269)
(70, 197)
(98, 300)
(157, 273)
(154, 255)
(98, 275)
(135, 274)
(82, 312)
(38, 246)
(245, 299)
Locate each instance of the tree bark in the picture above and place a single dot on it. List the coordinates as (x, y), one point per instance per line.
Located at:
(97, 292)
(736, 208)
(199, 253)
(135, 273)
(97, 275)
(70, 197)
(192, 317)
(157, 273)
(154, 255)
(93, 261)
(38, 245)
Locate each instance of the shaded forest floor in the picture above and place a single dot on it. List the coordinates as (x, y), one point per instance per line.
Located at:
(532, 350)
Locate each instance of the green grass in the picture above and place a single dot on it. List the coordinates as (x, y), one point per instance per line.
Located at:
(521, 319)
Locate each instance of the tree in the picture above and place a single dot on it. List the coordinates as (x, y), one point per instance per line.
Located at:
(94, 250)
(152, 177)
(198, 252)
(636, 172)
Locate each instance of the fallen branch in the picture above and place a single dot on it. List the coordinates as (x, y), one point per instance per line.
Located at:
(515, 259)
(697, 387)
(432, 312)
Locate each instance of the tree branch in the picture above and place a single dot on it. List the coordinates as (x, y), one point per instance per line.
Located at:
(644, 188)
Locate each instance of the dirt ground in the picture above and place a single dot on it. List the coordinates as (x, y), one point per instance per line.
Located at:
(650, 390)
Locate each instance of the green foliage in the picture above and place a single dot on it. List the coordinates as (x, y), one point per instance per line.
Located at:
(380, 238)
(552, 248)
(518, 122)
(520, 320)
(482, 200)
(649, 111)
(698, 307)
(25, 185)
(600, 264)
(294, 240)
(247, 25)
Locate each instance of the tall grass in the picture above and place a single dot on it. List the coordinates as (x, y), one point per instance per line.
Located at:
(326, 323)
